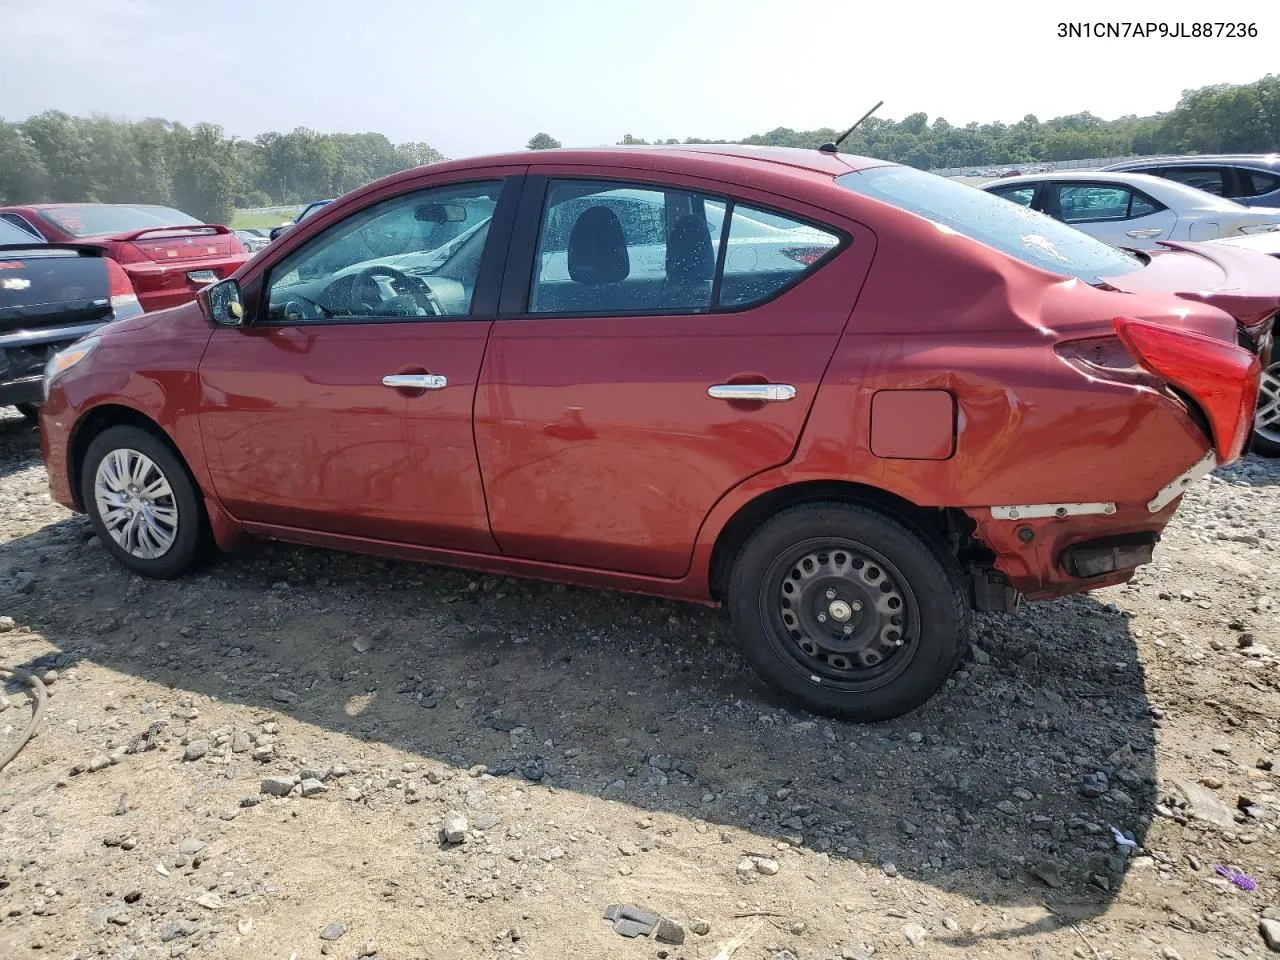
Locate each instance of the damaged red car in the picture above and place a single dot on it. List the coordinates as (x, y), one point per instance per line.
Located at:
(848, 399)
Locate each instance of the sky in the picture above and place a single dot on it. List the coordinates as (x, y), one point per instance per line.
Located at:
(480, 76)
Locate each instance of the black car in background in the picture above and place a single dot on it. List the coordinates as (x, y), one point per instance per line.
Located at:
(1251, 179)
(51, 294)
(315, 206)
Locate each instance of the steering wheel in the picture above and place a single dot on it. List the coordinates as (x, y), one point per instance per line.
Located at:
(402, 282)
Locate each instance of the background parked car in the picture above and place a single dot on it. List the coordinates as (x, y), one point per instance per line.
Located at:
(1266, 423)
(1133, 209)
(309, 210)
(167, 254)
(50, 296)
(1249, 179)
(253, 240)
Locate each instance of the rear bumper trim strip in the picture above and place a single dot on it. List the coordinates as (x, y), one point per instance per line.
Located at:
(1179, 484)
(1037, 511)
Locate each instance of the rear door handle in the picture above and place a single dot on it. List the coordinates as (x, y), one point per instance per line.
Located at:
(415, 381)
(1144, 233)
(752, 391)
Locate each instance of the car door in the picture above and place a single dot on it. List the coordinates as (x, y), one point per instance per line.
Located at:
(345, 406)
(658, 344)
(1113, 212)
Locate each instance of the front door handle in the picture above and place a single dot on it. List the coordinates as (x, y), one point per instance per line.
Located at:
(752, 391)
(415, 381)
(1144, 234)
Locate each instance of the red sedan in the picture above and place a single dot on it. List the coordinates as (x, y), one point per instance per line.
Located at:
(849, 399)
(166, 254)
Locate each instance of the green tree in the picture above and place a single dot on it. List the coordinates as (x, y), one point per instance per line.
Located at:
(542, 141)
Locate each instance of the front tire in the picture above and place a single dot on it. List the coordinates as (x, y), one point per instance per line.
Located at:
(1266, 421)
(848, 612)
(142, 502)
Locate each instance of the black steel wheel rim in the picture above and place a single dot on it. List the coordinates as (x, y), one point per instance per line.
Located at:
(840, 613)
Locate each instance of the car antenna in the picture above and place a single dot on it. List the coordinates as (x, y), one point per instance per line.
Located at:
(834, 147)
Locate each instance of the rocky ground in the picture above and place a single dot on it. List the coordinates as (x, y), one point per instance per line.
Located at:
(299, 753)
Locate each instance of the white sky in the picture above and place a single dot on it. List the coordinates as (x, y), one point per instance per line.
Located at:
(477, 76)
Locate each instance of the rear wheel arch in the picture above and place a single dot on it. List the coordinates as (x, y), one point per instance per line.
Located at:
(937, 526)
(102, 418)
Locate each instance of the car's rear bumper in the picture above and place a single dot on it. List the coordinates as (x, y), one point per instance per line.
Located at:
(1050, 556)
(163, 285)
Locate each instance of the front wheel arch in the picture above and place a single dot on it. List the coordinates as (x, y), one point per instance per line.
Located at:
(102, 418)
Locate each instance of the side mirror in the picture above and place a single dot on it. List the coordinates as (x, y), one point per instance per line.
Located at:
(222, 305)
(275, 232)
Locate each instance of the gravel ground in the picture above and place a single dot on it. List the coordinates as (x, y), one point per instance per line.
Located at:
(299, 753)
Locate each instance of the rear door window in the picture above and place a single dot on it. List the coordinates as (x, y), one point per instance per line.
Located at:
(1089, 203)
(1209, 179)
(610, 248)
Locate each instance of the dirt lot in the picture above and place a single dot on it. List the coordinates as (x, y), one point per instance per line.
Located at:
(606, 749)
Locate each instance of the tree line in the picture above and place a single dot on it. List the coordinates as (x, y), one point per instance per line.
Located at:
(57, 157)
(200, 170)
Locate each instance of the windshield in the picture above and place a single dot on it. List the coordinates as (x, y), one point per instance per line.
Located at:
(11, 234)
(1012, 229)
(101, 219)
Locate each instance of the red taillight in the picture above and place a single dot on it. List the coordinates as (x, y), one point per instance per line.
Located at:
(1220, 377)
(123, 296)
(805, 255)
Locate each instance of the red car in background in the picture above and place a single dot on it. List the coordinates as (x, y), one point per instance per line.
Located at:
(166, 254)
(849, 399)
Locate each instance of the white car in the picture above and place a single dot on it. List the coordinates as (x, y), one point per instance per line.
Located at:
(1266, 422)
(1133, 209)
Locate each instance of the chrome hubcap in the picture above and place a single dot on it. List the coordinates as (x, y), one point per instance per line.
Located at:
(136, 504)
(1266, 421)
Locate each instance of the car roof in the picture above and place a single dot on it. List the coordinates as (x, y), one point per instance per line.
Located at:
(1241, 159)
(89, 203)
(674, 158)
(1096, 176)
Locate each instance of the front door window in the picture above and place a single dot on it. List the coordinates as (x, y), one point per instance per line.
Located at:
(416, 255)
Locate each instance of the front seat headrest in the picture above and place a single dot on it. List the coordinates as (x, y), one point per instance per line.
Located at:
(597, 248)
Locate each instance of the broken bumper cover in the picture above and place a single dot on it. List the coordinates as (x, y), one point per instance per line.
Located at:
(1097, 558)
(1051, 549)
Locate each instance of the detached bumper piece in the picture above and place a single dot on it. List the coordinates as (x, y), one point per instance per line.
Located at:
(632, 921)
(1096, 558)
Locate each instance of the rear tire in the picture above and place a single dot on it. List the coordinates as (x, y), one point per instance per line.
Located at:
(1266, 422)
(30, 412)
(847, 611)
(142, 502)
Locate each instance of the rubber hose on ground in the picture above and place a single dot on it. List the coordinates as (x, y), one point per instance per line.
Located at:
(39, 694)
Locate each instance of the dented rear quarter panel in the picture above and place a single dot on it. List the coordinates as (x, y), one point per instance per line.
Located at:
(1030, 427)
